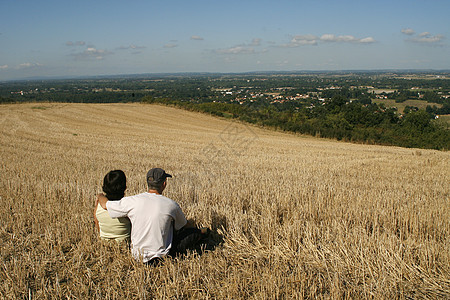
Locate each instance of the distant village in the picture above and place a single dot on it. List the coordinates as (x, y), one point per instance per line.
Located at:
(302, 90)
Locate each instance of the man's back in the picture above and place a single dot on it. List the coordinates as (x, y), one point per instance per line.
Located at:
(152, 219)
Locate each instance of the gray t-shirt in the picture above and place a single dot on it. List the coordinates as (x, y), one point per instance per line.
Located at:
(152, 219)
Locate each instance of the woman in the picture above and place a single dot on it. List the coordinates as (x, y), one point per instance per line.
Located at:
(114, 186)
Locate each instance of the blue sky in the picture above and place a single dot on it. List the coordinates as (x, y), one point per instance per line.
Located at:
(77, 38)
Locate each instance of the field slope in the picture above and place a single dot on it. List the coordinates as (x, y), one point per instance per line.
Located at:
(300, 217)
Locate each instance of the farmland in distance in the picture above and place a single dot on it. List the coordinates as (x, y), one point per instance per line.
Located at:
(300, 217)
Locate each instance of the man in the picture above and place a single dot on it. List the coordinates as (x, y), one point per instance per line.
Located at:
(153, 218)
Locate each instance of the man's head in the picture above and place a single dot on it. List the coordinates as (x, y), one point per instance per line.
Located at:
(156, 179)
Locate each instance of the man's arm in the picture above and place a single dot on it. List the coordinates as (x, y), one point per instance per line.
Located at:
(190, 224)
(116, 209)
(102, 200)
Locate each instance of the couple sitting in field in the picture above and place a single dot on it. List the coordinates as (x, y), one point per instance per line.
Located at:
(154, 224)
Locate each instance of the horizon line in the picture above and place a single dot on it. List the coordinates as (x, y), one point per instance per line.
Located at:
(99, 76)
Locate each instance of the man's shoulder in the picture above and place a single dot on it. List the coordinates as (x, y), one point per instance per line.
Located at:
(135, 197)
(150, 196)
(171, 204)
(168, 199)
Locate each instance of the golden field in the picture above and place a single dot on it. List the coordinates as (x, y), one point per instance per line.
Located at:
(300, 217)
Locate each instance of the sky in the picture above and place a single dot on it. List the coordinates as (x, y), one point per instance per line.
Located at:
(85, 38)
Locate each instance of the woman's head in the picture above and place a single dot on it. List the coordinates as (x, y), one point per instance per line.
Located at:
(114, 185)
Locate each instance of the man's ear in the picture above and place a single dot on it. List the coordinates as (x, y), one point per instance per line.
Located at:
(163, 186)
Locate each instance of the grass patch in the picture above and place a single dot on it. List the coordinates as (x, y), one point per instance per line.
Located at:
(421, 104)
(445, 118)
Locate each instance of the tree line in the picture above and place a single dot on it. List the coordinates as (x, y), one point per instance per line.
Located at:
(337, 118)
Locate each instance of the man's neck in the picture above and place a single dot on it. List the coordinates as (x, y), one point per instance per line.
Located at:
(154, 192)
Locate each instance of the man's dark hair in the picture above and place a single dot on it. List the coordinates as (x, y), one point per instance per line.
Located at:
(155, 185)
(156, 178)
(114, 185)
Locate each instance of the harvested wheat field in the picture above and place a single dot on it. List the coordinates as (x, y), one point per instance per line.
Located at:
(300, 217)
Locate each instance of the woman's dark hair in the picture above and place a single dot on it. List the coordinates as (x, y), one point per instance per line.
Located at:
(114, 185)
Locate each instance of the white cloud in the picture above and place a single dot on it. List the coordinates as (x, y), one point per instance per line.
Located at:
(98, 53)
(307, 39)
(256, 42)
(282, 63)
(423, 38)
(236, 50)
(289, 45)
(28, 65)
(4, 67)
(91, 53)
(367, 40)
(132, 47)
(25, 65)
(196, 38)
(247, 48)
(229, 59)
(170, 45)
(426, 38)
(78, 43)
(408, 31)
(312, 40)
(346, 39)
(301, 40)
(328, 37)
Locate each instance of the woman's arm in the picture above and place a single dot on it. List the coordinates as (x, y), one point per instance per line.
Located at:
(95, 215)
(101, 198)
